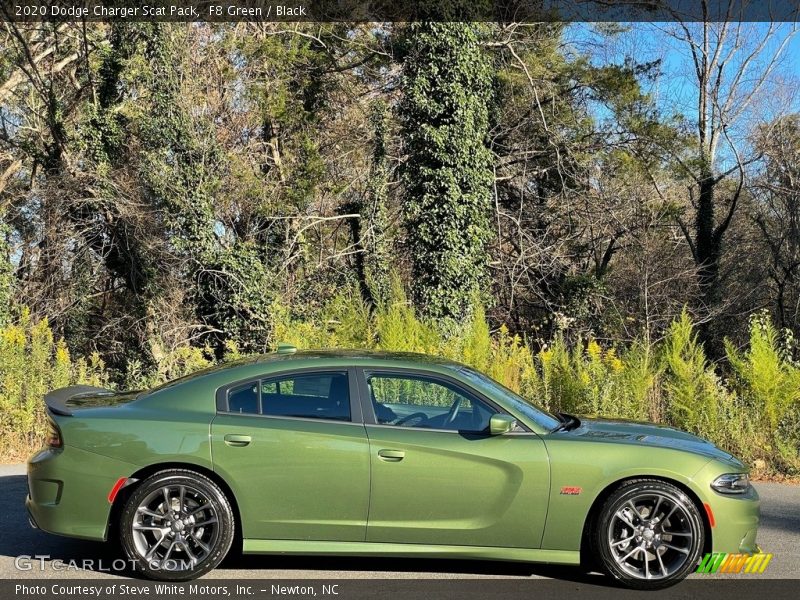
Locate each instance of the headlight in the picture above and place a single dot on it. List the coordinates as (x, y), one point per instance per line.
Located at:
(732, 483)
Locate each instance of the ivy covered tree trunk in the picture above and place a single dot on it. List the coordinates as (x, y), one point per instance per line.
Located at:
(108, 139)
(708, 244)
(368, 228)
(447, 175)
(374, 213)
(6, 272)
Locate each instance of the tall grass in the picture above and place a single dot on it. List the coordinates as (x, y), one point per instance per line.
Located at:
(766, 385)
(749, 406)
(32, 363)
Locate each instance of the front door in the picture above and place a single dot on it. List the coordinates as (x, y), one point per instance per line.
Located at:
(438, 477)
(296, 457)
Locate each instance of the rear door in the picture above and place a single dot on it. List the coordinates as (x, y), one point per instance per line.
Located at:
(438, 477)
(294, 449)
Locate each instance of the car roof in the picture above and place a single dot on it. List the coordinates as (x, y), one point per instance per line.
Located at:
(367, 355)
(248, 366)
(339, 355)
(339, 358)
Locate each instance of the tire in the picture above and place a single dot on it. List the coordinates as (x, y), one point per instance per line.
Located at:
(648, 535)
(176, 525)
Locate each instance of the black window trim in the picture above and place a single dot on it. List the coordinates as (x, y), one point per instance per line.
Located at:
(356, 416)
(368, 411)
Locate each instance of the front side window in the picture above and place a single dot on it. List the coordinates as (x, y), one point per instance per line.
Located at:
(306, 395)
(418, 401)
(512, 400)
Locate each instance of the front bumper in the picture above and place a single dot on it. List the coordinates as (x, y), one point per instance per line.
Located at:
(68, 491)
(736, 523)
(735, 517)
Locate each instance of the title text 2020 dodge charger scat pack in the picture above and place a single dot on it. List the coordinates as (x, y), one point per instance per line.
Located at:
(355, 453)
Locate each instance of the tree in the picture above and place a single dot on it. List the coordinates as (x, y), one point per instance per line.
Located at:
(776, 213)
(447, 175)
(574, 202)
(368, 220)
(731, 64)
(6, 273)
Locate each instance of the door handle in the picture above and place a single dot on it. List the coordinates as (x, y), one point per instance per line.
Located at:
(237, 440)
(391, 455)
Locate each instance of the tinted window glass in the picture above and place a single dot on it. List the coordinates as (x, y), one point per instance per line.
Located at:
(514, 401)
(312, 395)
(244, 399)
(413, 401)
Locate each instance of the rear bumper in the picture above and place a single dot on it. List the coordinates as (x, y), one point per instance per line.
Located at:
(68, 491)
(31, 520)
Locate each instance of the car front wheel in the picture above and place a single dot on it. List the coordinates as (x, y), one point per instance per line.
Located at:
(649, 534)
(176, 525)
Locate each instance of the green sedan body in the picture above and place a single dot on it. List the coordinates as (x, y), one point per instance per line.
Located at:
(358, 453)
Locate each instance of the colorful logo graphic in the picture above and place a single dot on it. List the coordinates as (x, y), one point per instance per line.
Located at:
(721, 562)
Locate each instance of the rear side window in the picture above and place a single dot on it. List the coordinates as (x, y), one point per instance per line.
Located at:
(244, 399)
(305, 395)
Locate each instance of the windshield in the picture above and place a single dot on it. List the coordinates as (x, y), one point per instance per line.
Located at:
(514, 401)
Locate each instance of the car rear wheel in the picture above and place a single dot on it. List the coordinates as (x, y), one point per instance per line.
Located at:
(648, 535)
(176, 525)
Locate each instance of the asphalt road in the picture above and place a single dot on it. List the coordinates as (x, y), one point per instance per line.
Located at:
(779, 534)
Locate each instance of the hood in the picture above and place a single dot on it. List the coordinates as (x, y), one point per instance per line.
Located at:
(649, 434)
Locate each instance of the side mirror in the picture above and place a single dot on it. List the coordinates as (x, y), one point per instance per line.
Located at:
(500, 424)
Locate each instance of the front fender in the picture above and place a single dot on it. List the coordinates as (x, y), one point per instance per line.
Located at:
(582, 471)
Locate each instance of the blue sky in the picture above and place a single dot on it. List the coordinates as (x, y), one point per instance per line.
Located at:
(675, 90)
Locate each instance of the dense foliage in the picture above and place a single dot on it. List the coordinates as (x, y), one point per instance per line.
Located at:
(753, 412)
(33, 362)
(175, 194)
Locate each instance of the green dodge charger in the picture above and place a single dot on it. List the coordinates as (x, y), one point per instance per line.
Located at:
(360, 453)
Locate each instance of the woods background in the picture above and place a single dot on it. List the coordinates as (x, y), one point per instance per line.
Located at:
(604, 217)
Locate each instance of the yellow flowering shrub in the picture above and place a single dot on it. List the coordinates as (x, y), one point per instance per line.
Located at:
(32, 363)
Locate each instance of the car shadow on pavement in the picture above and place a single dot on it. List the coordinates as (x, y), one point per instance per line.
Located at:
(379, 567)
(788, 521)
(779, 509)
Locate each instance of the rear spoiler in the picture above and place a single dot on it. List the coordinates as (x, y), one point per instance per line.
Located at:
(56, 400)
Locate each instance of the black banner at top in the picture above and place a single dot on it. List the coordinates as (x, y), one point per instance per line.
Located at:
(266, 11)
